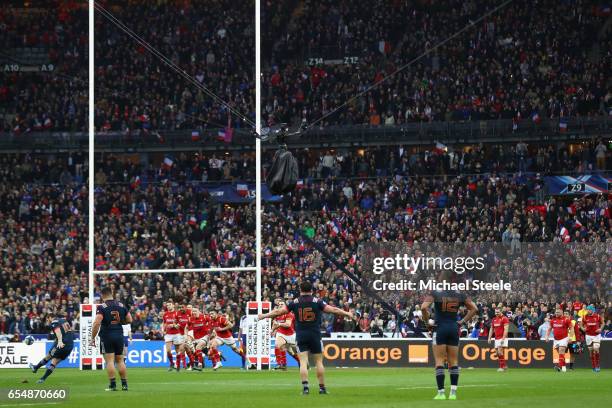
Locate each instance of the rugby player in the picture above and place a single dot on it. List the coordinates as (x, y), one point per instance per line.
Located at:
(308, 311)
(111, 315)
(500, 325)
(445, 338)
(562, 329)
(593, 325)
(61, 349)
(285, 337)
(170, 328)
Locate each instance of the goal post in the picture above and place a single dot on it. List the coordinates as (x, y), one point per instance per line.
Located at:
(257, 334)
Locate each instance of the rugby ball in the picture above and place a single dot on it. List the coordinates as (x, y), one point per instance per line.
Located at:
(29, 340)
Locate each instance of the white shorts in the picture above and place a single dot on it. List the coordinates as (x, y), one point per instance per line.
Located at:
(289, 339)
(501, 343)
(203, 341)
(176, 339)
(561, 343)
(593, 339)
(228, 341)
(173, 338)
(190, 333)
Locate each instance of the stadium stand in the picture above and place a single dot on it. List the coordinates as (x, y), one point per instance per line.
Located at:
(154, 210)
(212, 41)
(533, 60)
(45, 71)
(43, 239)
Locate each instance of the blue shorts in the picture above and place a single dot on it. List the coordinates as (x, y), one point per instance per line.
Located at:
(61, 353)
(126, 341)
(112, 345)
(446, 334)
(309, 341)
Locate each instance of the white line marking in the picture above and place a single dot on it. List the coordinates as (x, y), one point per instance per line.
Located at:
(461, 386)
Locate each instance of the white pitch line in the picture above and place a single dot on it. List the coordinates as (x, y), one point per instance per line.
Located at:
(28, 404)
(460, 386)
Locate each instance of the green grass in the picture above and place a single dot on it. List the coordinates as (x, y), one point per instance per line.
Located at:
(361, 387)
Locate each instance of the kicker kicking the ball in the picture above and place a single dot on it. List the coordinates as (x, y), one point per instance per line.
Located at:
(61, 349)
(308, 310)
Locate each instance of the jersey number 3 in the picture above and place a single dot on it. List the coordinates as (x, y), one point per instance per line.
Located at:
(116, 317)
(306, 314)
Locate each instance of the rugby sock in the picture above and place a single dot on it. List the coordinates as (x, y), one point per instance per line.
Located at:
(500, 360)
(170, 358)
(214, 356)
(454, 377)
(124, 382)
(113, 383)
(597, 359)
(321, 387)
(440, 378)
(305, 385)
(184, 357)
(277, 355)
(190, 355)
(41, 363)
(561, 359)
(199, 357)
(243, 357)
(283, 355)
(48, 372)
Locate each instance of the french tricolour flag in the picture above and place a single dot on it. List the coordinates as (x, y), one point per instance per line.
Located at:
(565, 235)
(562, 125)
(243, 190)
(440, 148)
(168, 162)
(535, 117)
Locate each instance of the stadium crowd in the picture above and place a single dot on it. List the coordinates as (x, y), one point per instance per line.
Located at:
(43, 239)
(528, 60)
(52, 100)
(176, 224)
(213, 41)
(168, 220)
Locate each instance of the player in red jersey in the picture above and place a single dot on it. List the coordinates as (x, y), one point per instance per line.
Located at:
(222, 329)
(593, 324)
(499, 326)
(198, 329)
(171, 330)
(562, 329)
(284, 325)
(182, 316)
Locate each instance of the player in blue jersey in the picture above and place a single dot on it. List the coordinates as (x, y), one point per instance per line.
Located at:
(446, 334)
(111, 315)
(62, 347)
(308, 311)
